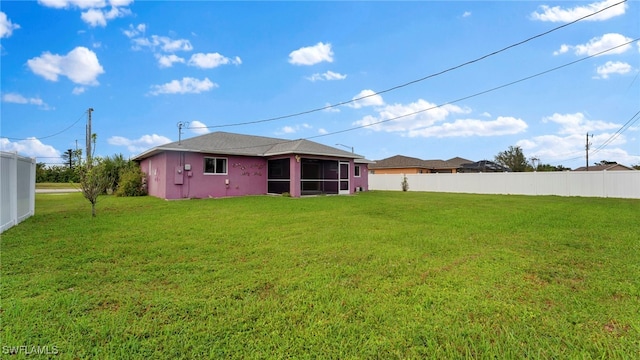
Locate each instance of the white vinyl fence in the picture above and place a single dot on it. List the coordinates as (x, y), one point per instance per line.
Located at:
(615, 184)
(17, 189)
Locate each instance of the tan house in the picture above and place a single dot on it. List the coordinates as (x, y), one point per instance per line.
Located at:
(607, 167)
(400, 164)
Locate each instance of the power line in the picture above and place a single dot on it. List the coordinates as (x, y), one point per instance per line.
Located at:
(457, 100)
(410, 82)
(624, 128)
(48, 136)
(478, 93)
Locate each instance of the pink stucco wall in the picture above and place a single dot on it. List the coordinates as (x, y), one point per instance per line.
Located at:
(363, 180)
(245, 176)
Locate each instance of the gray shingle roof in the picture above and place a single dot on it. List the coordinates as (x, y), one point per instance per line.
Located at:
(400, 161)
(225, 143)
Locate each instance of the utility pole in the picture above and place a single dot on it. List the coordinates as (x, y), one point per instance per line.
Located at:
(588, 144)
(180, 126)
(89, 137)
(535, 161)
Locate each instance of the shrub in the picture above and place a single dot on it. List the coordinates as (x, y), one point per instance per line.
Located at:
(131, 182)
(404, 183)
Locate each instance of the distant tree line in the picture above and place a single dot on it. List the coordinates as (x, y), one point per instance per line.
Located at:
(117, 175)
(514, 159)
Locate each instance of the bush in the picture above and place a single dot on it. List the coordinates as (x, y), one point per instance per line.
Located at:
(404, 183)
(131, 182)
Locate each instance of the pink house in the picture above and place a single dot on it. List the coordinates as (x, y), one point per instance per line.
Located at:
(224, 164)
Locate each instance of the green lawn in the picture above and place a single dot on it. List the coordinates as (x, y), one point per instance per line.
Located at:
(377, 275)
(57, 185)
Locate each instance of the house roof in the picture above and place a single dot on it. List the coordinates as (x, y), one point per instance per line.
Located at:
(225, 143)
(458, 161)
(608, 167)
(483, 166)
(400, 161)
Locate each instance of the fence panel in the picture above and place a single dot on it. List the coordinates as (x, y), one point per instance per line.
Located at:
(17, 189)
(618, 184)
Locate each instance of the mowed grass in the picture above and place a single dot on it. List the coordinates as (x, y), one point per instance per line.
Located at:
(67, 185)
(377, 275)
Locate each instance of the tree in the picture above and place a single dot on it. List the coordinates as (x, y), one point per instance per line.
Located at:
(514, 159)
(637, 167)
(549, 167)
(112, 168)
(68, 158)
(92, 183)
(605, 162)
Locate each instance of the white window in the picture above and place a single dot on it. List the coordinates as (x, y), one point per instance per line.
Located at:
(357, 171)
(215, 166)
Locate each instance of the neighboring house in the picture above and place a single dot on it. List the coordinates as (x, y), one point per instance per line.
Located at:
(482, 166)
(400, 164)
(607, 167)
(224, 164)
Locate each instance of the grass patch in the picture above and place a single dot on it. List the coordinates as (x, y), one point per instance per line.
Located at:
(57, 185)
(377, 275)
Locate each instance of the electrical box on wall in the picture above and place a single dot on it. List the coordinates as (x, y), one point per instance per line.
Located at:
(187, 167)
(178, 176)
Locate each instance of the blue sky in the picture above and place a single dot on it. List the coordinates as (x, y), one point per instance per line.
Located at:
(145, 66)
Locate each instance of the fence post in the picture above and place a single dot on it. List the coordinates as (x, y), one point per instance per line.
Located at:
(32, 187)
(13, 186)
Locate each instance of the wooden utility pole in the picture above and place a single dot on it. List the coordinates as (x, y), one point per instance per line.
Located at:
(89, 138)
(588, 144)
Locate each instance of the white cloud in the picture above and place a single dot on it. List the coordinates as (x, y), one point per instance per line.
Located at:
(31, 147)
(120, 3)
(555, 149)
(367, 98)
(558, 14)
(409, 117)
(187, 85)
(288, 130)
(164, 43)
(82, 4)
(466, 14)
(212, 60)
(94, 15)
(99, 17)
(563, 49)
(322, 131)
(311, 55)
(198, 127)
(145, 142)
(78, 90)
(165, 61)
(570, 140)
(599, 44)
(80, 65)
(135, 31)
(611, 67)
(6, 26)
(19, 99)
(472, 127)
(577, 124)
(329, 75)
(293, 129)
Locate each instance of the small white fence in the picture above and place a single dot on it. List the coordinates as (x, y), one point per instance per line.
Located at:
(17, 189)
(615, 184)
